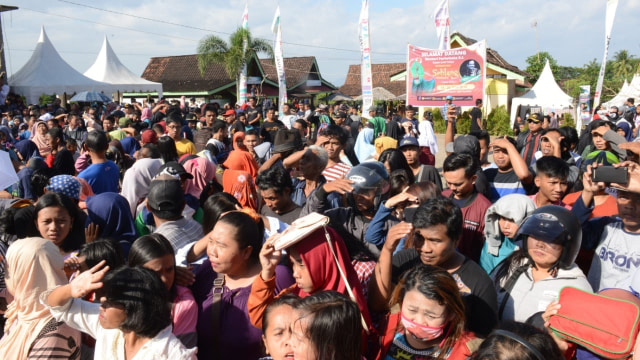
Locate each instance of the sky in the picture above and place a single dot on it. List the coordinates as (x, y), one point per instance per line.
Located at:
(572, 31)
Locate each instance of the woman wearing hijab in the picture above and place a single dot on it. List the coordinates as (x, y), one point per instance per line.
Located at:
(240, 185)
(203, 171)
(33, 266)
(238, 141)
(315, 260)
(364, 147)
(243, 161)
(27, 149)
(624, 129)
(110, 213)
(135, 185)
(38, 134)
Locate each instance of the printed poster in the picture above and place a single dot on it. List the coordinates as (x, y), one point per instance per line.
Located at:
(435, 74)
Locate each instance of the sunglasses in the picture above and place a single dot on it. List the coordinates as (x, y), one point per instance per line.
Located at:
(533, 121)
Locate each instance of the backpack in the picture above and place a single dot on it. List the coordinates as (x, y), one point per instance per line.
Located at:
(201, 137)
(603, 325)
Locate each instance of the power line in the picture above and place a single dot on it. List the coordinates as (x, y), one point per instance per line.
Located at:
(214, 31)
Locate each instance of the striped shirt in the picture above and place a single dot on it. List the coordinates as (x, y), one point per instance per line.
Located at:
(337, 171)
(180, 233)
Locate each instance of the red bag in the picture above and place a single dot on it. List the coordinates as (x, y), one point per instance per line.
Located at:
(603, 325)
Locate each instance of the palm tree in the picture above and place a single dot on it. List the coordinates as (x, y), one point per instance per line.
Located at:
(214, 49)
(622, 65)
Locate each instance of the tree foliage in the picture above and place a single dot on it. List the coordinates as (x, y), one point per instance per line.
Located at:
(535, 65)
(213, 49)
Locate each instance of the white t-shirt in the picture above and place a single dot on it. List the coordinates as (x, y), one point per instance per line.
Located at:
(616, 259)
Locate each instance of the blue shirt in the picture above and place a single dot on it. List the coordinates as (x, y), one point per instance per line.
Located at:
(103, 177)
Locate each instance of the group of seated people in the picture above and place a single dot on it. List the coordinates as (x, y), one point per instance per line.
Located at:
(327, 242)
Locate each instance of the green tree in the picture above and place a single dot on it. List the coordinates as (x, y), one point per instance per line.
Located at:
(623, 65)
(535, 65)
(213, 49)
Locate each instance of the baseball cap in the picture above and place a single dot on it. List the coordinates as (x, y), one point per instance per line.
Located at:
(342, 115)
(149, 136)
(323, 107)
(449, 97)
(124, 121)
(174, 169)
(191, 117)
(535, 117)
(465, 144)
(229, 112)
(373, 108)
(408, 141)
(166, 197)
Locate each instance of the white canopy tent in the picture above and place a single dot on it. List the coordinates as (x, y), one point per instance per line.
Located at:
(631, 90)
(108, 68)
(545, 93)
(47, 73)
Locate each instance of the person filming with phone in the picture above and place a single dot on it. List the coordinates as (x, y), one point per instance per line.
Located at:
(615, 239)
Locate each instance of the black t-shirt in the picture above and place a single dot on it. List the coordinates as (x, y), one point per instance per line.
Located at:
(252, 113)
(269, 129)
(237, 126)
(476, 114)
(476, 288)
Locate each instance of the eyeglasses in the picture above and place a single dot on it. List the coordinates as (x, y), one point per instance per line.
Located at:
(173, 127)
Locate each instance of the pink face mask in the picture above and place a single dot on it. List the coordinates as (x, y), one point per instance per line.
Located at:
(422, 332)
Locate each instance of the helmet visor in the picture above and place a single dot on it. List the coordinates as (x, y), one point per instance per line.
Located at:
(543, 227)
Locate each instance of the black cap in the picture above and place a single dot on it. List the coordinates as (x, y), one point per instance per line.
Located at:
(166, 197)
(342, 115)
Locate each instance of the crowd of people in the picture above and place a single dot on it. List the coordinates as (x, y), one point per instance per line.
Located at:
(170, 230)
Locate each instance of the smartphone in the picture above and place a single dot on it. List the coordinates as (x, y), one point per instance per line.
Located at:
(609, 174)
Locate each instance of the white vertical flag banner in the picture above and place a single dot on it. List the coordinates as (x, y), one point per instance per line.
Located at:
(282, 84)
(441, 16)
(365, 66)
(611, 14)
(242, 88)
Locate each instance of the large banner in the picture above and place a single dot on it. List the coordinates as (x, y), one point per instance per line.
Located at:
(434, 74)
(441, 16)
(365, 66)
(279, 58)
(610, 16)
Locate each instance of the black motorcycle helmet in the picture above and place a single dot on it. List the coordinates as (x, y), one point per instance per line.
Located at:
(555, 225)
(368, 176)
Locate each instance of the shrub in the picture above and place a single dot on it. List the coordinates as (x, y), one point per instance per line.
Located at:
(463, 123)
(498, 123)
(568, 120)
(438, 121)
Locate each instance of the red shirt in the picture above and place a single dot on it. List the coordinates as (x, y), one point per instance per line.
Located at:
(473, 224)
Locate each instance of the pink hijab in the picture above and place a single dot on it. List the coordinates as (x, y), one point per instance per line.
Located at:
(203, 171)
(40, 140)
(33, 266)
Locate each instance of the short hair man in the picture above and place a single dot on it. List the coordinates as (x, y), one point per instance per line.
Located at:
(103, 175)
(528, 141)
(333, 138)
(220, 141)
(411, 150)
(434, 235)
(476, 116)
(551, 180)
(275, 189)
(604, 137)
(174, 130)
(254, 113)
(270, 126)
(166, 202)
(459, 170)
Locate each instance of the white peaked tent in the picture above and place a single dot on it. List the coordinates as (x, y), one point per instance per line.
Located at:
(47, 73)
(627, 91)
(545, 93)
(108, 68)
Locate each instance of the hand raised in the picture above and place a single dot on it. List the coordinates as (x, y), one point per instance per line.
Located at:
(88, 281)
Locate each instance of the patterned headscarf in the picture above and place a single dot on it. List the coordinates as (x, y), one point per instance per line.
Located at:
(66, 185)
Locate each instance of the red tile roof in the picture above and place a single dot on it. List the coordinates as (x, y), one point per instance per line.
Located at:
(381, 74)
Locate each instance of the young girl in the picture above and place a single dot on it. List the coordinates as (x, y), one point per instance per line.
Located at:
(279, 316)
(154, 252)
(132, 320)
(502, 221)
(430, 322)
(55, 216)
(328, 327)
